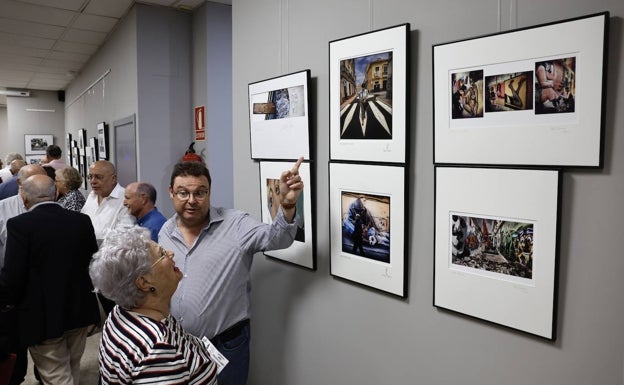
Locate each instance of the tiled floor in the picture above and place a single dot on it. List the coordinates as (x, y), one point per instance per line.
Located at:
(88, 366)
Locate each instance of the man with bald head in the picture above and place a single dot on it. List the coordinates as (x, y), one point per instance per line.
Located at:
(9, 187)
(47, 280)
(14, 205)
(105, 203)
(140, 199)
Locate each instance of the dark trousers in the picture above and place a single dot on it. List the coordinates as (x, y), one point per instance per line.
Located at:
(21, 365)
(234, 345)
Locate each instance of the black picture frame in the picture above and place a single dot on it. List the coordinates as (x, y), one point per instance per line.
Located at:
(496, 253)
(279, 117)
(369, 78)
(36, 144)
(102, 140)
(82, 139)
(526, 103)
(303, 250)
(375, 256)
(68, 149)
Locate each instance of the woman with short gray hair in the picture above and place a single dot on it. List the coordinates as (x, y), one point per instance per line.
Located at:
(68, 181)
(140, 339)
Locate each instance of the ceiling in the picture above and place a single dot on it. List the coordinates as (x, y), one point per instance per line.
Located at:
(45, 43)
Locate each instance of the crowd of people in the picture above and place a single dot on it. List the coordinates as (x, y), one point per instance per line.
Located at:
(175, 292)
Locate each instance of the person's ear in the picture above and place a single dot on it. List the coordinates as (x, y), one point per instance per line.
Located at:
(171, 192)
(143, 283)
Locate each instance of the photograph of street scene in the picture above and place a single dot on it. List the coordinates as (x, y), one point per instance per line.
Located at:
(499, 246)
(366, 225)
(509, 92)
(555, 86)
(366, 97)
(279, 104)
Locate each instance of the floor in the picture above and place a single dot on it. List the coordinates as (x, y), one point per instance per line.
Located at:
(89, 370)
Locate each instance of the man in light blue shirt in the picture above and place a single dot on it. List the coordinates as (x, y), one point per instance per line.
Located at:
(214, 248)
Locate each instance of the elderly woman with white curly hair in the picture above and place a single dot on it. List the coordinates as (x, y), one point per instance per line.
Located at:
(141, 342)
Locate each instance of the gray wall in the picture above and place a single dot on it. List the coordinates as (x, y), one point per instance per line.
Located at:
(95, 96)
(310, 328)
(149, 57)
(164, 115)
(212, 87)
(4, 133)
(20, 122)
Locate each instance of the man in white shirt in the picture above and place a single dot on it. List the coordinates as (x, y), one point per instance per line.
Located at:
(104, 203)
(5, 172)
(105, 207)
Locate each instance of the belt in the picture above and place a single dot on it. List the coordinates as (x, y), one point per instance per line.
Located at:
(231, 332)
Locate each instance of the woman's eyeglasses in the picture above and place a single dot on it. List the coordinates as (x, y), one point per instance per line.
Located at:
(163, 255)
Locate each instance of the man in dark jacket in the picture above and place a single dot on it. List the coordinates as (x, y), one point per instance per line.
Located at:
(45, 276)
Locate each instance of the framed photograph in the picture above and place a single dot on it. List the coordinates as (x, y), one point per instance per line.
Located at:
(37, 144)
(76, 158)
(368, 96)
(301, 252)
(496, 247)
(102, 140)
(279, 119)
(82, 139)
(33, 159)
(524, 102)
(367, 225)
(93, 144)
(89, 156)
(68, 149)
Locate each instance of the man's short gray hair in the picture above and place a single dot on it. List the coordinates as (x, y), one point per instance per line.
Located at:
(148, 190)
(123, 257)
(38, 188)
(11, 156)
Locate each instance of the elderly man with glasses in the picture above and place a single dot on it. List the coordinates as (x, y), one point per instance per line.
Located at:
(105, 206)
(105, 203)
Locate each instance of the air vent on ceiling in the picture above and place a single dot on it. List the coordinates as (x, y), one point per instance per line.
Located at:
(15, 93)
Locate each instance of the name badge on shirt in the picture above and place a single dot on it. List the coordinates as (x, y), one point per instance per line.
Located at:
(215, 355)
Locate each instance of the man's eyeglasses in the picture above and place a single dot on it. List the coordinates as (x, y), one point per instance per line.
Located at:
(96, 176)
(185, 195)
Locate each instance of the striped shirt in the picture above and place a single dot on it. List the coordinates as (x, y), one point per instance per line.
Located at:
(136, 349)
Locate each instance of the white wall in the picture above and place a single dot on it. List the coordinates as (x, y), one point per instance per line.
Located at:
(311, 328)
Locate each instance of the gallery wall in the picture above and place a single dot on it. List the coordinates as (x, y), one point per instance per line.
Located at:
(40, 113)
(312, 328)
(4, 132)
(142, 70)
(212, 88)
